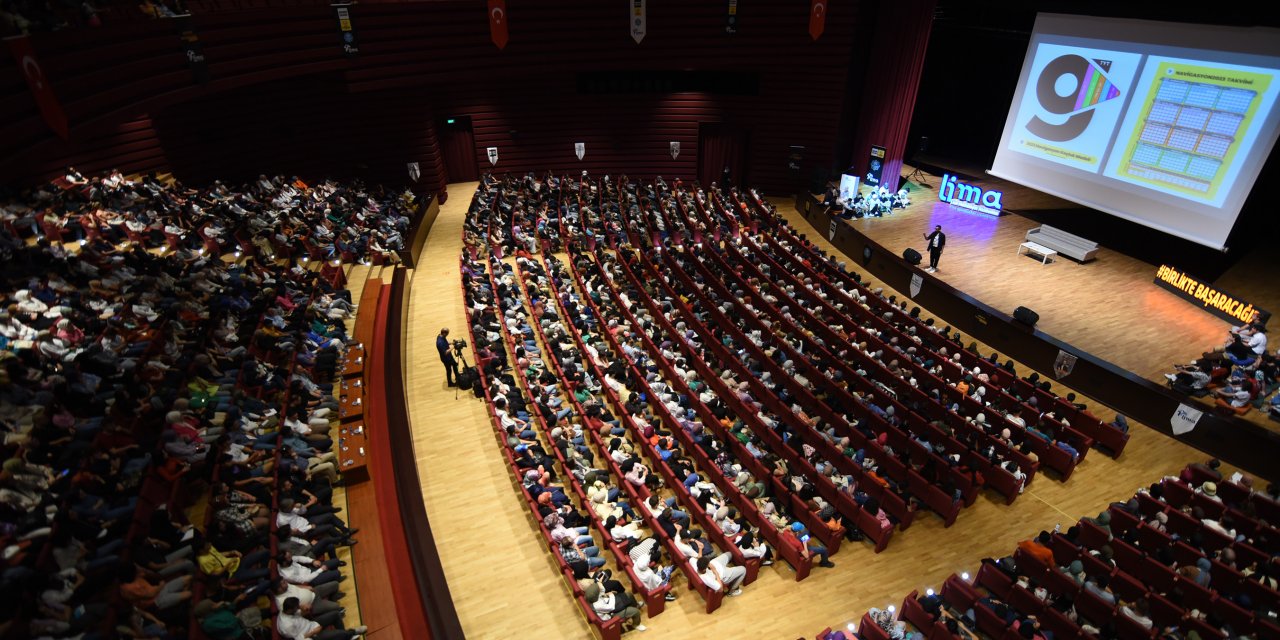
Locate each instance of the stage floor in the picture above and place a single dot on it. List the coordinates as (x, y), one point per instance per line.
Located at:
(1109, 307)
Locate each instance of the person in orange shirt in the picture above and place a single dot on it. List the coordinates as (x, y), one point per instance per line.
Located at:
(1039, 548)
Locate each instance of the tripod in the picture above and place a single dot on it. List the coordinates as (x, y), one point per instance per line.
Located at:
(917, 176)
(463, 360)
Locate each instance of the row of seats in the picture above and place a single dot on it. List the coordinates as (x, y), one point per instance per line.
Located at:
(1185, 556)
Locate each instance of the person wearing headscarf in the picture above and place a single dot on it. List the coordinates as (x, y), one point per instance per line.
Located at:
(1075, 571)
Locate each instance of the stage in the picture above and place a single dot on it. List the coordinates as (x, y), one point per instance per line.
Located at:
(1109, 307)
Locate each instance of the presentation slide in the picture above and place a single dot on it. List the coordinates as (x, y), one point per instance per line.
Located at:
(1164, 124)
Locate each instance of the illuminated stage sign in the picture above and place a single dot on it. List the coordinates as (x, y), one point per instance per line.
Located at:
(1219, 303)
(969, 197)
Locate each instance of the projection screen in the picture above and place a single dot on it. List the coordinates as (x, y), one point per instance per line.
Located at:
(1164, 124)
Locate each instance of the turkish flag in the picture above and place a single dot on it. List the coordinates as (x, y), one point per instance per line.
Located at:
(41, 90)
(817, 18)
(498, 22)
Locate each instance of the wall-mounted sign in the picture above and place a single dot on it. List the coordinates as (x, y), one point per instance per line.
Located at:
(1215, 301)
(346, 31)
(968, 197)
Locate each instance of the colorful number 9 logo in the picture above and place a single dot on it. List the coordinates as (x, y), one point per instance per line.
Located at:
(1054, 102)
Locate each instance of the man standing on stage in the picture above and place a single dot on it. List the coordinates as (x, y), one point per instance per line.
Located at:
(937, 240)
(450, 363)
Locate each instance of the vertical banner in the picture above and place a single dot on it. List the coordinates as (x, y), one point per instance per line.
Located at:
(639, 20)
(498, 23)
(875, 166)
(41, 90)
(817, 18)
(191, 50)
(345, 30)
(675, 149)
(493, 155)
(731, 21)
(917, 282)
(415, 171)
(580, 149)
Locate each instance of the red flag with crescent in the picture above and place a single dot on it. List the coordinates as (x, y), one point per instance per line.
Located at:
(498, 22)
(817, 18)
(41, 90)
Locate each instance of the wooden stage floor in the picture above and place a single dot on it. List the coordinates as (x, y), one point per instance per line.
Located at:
(502, 578)
(1109, 307)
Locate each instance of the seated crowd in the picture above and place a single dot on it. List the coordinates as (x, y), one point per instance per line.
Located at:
(1193, 556)
(24, 17)
(1239, 375)
(166, 413)
(727, 406)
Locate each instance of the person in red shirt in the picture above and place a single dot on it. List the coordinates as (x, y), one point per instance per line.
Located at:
(1039, 548)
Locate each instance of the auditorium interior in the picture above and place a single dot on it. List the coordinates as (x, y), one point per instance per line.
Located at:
(489, 318)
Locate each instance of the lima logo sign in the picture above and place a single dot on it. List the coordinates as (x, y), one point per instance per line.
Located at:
(967, 196)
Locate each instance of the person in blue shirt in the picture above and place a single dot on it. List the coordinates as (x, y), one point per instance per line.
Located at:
(446, 356)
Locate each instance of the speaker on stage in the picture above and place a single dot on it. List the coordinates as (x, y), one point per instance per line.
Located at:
(1026, 316)
(911, 255)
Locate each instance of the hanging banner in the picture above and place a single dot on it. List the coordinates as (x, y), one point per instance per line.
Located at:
(493, 155)
(731, 21)
(817, 18)
(675, 149)
(875, 166)
(639, 20)
(580, 149)
(1184, 419)
(415, 171)
(1064, 364)
(345, 30)
(831, 228)
(41, 90)
(917, 281)
(498, 23)
(191, 50)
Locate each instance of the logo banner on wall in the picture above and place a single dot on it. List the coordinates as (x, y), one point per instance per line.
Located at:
(917, 281)
(817, 18)
(1064, 364)
(498, 23)
(1184, 419)
(191, 50)
(345, 30)
(639, 20)
(675, 149)
(831, 228)
(493, 154)
(415, 171)
(580, 149)
(875, 166)
(731, 20)
(41, 90)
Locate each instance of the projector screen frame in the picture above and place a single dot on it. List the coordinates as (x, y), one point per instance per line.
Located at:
(1194, 221)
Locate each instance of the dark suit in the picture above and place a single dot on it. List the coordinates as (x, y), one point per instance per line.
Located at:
(450, 363)
(935, 248)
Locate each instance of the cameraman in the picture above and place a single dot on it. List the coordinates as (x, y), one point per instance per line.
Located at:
(446, 356)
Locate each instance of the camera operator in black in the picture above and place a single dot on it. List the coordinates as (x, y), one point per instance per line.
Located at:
(446, 356)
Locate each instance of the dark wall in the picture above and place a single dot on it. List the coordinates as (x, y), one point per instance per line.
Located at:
(441, 52)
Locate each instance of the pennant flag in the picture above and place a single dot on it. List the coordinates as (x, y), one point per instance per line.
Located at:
(731, 22)
(638, 20)
(41, 90)
(580, 149)
(498, 23)
(817, 18)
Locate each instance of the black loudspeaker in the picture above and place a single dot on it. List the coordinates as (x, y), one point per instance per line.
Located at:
(911, 255)
(1026, 316)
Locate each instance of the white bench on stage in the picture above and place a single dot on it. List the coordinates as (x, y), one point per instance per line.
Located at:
(1044, 252)
(1069, 245)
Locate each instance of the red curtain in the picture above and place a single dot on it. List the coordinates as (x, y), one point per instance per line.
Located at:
(458, 147)
(720, 146)
(893, 76)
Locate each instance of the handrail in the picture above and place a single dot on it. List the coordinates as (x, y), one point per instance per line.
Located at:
(1236, 441)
